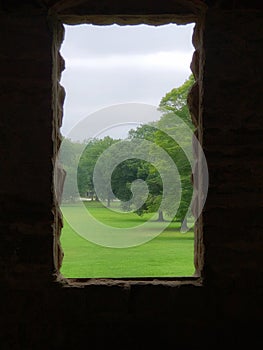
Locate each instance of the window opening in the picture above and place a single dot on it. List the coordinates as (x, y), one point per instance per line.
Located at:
(127, 152)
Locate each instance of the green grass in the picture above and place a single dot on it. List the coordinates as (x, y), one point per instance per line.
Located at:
(170, 254)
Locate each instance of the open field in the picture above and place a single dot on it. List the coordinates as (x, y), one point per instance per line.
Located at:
(170, 254)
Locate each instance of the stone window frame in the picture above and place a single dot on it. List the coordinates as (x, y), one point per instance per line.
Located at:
(195, 107)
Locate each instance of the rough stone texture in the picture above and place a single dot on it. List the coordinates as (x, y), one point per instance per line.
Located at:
(41, 310)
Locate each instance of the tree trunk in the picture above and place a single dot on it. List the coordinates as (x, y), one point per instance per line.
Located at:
(160, 216)
(108, 203)
(184, 226)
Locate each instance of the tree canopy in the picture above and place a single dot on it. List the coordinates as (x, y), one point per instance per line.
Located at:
(164, 133)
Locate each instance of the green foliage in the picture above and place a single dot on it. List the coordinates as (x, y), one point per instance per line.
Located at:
(68, 157)
(145, 132)
(87, 162)
(123, 176)
(164, 133)
(175, 101)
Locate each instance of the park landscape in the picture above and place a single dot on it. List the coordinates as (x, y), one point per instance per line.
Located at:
(168, 254)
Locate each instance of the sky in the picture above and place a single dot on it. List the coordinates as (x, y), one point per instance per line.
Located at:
(108, 66)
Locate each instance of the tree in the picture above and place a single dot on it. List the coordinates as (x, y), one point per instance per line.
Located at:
(68, 157)
(122, 178)
(175, 103)
(87, 162)
(164, 133)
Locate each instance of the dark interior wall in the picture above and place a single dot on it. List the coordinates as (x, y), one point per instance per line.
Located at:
(225, 305)
(233, 130)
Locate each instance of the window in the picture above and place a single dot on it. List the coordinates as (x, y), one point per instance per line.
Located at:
(124, 256)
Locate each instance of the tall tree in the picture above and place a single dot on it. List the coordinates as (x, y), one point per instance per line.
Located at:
(164, 133)
(175, 103)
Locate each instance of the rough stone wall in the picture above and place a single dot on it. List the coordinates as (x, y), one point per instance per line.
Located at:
(232, 141)
(40, 312)
(26, 150)
(233, 129)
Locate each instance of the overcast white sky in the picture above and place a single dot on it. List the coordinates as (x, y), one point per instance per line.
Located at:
(111, 65)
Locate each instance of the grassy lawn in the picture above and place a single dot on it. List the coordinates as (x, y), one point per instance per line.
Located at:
(170, 254)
